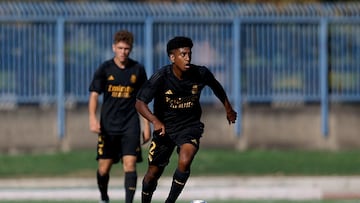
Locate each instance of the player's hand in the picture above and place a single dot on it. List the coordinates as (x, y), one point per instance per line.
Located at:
(94, 125)
(231, 116)
(159, 128)
(159, 132)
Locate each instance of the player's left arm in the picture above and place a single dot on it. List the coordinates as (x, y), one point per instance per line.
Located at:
(220, 93)
(230, 112)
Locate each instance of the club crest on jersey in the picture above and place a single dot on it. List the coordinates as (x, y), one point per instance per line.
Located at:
(111, 77)
(133, 78)
(194, 89)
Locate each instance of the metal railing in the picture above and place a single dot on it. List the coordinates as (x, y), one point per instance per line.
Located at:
(260, 53)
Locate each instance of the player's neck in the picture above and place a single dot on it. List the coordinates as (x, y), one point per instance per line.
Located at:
(178, 73)
(119, 63)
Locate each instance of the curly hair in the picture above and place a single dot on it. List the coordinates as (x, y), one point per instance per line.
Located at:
(178, 42)
(123, 36)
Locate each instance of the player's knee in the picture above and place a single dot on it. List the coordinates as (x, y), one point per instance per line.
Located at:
(184, 163)
(149, 176)
(102, 172)
(153, 173)
(184, 166)
(129, 167)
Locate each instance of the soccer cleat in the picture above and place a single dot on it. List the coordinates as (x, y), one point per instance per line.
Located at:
(104, 201)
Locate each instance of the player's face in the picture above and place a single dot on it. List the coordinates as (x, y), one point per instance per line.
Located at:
(181, 58)
(122, 51)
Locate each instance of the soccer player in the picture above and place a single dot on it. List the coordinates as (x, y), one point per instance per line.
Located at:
(176, 90)
(119, 79)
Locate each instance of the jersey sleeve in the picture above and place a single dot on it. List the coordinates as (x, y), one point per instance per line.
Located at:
(150, 87)
(98, 82)
(214, 84)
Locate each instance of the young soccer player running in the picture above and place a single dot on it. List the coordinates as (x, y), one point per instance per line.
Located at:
(119, 79)
(176, 90)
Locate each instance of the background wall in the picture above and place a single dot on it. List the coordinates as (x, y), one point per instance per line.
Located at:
(33, 129)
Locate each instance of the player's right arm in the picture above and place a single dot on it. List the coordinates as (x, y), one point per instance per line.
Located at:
(144, 97)
(144, 110)
(94, 124)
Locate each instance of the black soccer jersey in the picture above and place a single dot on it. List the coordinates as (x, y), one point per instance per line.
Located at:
(177, 102)
(119, 88)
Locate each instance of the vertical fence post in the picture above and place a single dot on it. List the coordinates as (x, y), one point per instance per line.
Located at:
(60, 67)
(236, 69)
(324, 84)
(148, 35)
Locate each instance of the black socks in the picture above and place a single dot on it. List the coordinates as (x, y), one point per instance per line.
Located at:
(148, 189)
(130, 186)
(103, 182)
(178, 183)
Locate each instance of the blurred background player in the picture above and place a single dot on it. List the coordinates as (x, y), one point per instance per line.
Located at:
(119, 129)
(176, 90)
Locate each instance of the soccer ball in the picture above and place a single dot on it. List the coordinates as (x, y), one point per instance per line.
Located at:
(198, 201)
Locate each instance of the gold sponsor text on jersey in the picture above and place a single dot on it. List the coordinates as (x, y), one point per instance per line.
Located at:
(181, 103)
(120, 91)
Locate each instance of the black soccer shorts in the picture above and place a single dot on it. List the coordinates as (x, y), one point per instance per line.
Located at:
(115, 146)
(162, 147)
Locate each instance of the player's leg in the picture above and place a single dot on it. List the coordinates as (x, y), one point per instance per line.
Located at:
(102, 176)
(130, 180)
(130, 148)
(105, 162)
(182, 173)
(150, 182)
(160, 151)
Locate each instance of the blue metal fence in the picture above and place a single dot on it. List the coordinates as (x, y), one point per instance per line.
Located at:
(260, 53)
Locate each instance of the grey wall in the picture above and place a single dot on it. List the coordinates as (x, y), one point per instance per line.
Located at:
(276, 126)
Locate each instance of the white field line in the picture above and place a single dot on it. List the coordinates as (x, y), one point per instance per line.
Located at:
(208, 188)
